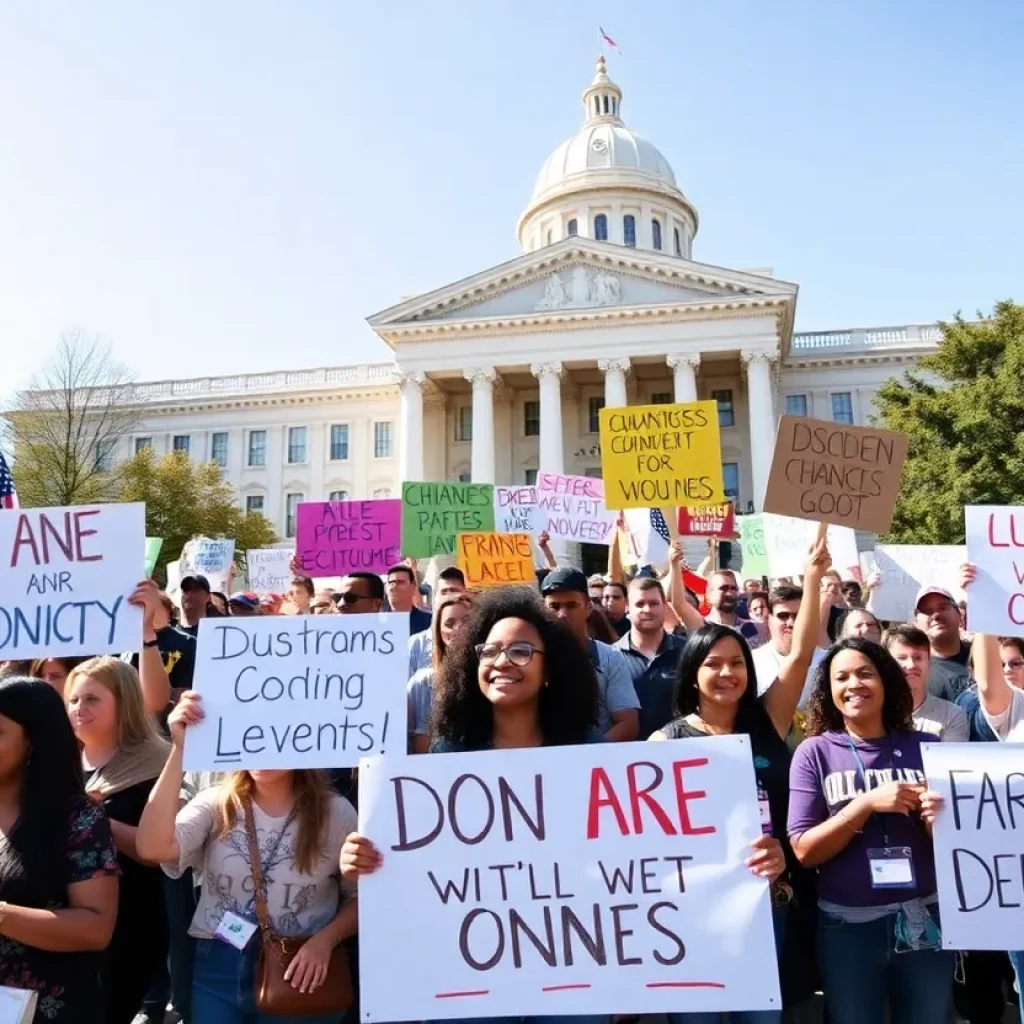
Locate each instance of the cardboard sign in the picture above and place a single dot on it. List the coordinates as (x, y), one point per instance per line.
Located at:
(755, 554)
(565, 880)
(788, 540)
(835, 473)
(572, 507)
(654, 456)
(906, 568)
(978, 839)
(153, 546)
(333, 538)
(515, 510)
(269, 570)
(299, 691)
(65, 578)
(707, 521)
(209, 557)
(433, 513)
(496, 559)
(995, 545)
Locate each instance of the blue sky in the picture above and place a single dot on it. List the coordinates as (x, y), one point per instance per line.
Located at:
(236, 185)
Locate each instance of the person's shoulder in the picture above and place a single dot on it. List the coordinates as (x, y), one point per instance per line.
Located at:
(85, 815)
(422, 677)
(608, 653)
(343, 815)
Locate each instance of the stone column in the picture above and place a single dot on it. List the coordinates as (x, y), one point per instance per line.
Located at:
(614, 371)
(684, 375)
(549, 380)
(410, 464)
(482, 378)
(762, 418)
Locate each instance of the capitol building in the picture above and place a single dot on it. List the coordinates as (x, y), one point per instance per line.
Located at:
(503, 373)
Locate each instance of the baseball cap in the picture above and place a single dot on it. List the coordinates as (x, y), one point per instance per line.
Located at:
(925, 591)
(189, 582)
(245, 598)
(565, 579)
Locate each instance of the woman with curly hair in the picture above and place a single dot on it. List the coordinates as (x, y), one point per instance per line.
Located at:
(858, 813)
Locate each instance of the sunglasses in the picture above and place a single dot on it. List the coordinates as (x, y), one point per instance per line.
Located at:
(350, 598)
(519, 653)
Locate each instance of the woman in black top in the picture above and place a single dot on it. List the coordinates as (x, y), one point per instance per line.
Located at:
(58, 868)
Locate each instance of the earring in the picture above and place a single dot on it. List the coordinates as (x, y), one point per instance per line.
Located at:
(545, 684)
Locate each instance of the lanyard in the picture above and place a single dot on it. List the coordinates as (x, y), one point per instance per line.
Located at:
(864, 776)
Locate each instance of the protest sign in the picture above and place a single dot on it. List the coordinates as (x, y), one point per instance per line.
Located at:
(978, 838)
(515, 510)
(564, 880)
(572, 507)
(788, 540)
(153, 546)
(433, 513)
(304, 691)
(906, 568)
(755, 557)
(496, 559)
(269, 570)
(338, 537)
(707, 521)
(654, 456)
(835, 473)
(212, 558)
(65, 578)
(995, 545)
(173, 570)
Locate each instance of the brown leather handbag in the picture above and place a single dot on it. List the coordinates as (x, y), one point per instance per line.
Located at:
(274, 995)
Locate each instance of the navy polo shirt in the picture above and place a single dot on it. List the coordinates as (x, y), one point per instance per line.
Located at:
(654, 680)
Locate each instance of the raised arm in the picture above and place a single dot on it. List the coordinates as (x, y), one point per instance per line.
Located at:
(544, 543)
(691, 619)
(153, 679)
(616, 574)
(994, 691)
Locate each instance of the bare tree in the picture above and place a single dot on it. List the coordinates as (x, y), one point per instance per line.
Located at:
(67, 425)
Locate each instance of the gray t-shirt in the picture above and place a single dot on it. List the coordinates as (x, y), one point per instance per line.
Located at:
(420, 690)
(615, 690)
(942, 719)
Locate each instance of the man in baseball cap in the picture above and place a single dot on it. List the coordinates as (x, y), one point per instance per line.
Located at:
(195, 602)
(243, 603)
(938, 616)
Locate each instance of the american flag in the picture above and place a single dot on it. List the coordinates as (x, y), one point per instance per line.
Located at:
(605, 38)
(8, 495)
(649, 536)
(659, 525)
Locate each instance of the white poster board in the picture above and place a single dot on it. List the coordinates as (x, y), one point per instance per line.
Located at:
(639, 904)
(515, 510)
(209, 557)
(299, 691)
(787, 541)
(269, 570)
(906, 568)
(979, 839)
(573, 508)
(995, 546)
(65, 578)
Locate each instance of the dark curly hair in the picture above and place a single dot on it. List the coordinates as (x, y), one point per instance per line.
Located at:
(567, 709)
(897, 702)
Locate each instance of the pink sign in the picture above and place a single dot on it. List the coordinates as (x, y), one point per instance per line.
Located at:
(333, 538)
(573, 507)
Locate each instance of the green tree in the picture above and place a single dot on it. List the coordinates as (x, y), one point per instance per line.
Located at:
(963, 407)
(185, 499)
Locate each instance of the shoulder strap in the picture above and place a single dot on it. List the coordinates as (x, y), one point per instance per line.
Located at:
(256, 867)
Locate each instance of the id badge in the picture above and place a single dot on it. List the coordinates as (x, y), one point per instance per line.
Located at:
(765, 813)
(892, 867)
(234, 930)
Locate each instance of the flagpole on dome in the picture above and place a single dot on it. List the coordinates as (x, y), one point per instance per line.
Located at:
(608, 41)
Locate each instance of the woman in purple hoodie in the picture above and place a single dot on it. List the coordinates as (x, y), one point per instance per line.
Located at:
(855, 815)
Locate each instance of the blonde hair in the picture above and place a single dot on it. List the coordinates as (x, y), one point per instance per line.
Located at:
(135, 725)
(313, 795)
(439, 646)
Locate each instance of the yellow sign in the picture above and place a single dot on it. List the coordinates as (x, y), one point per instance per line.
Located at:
(653, 456)
(496, 559)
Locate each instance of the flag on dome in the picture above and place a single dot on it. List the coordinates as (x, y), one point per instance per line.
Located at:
(608, 39)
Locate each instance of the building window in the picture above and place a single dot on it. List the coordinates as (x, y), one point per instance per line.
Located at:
(257, 447)
(530, 477)
(382, 440)
(464, 423)
(338, 496)
(142, 443)
(629, 230)
(253, 504)
(597, 106)
(594, 407)
(105, 456)
(291, 508)
(726, 413)
(465, 478)
(339, 442)
(601, 227)
(547, 239)
(531, 419)
(842, 407)
(382, 492)
(731, 480)
(662, 398)
(796, 405)
(296, 444)
(572, 228)
(219, 448)
(677, 242)
(181, 443)
(656, 234)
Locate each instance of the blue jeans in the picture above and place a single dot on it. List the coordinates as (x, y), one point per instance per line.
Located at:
(1017, 959)
(861, 971)
(222, 987)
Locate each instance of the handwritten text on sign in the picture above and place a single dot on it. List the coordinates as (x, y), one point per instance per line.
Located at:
(978, 836)
(299, 692)
(496, 559)
(573, 507)
(995, 544)
(65, 578)
(565, 880)
(333, 538)
(906, 568)
(833, 473)
(654, 456)
(433, 513)
(269, 570)
(515, 510)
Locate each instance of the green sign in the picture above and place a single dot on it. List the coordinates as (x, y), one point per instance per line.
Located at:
(432, 514)
(153, 546)
(755, 557)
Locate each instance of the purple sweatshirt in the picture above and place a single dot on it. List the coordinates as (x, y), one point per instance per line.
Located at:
(824, 777)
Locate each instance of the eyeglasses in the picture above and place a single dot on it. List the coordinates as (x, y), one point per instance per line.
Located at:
(1014, 666)
(519, 653)
(785, 616)
(350, 598)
